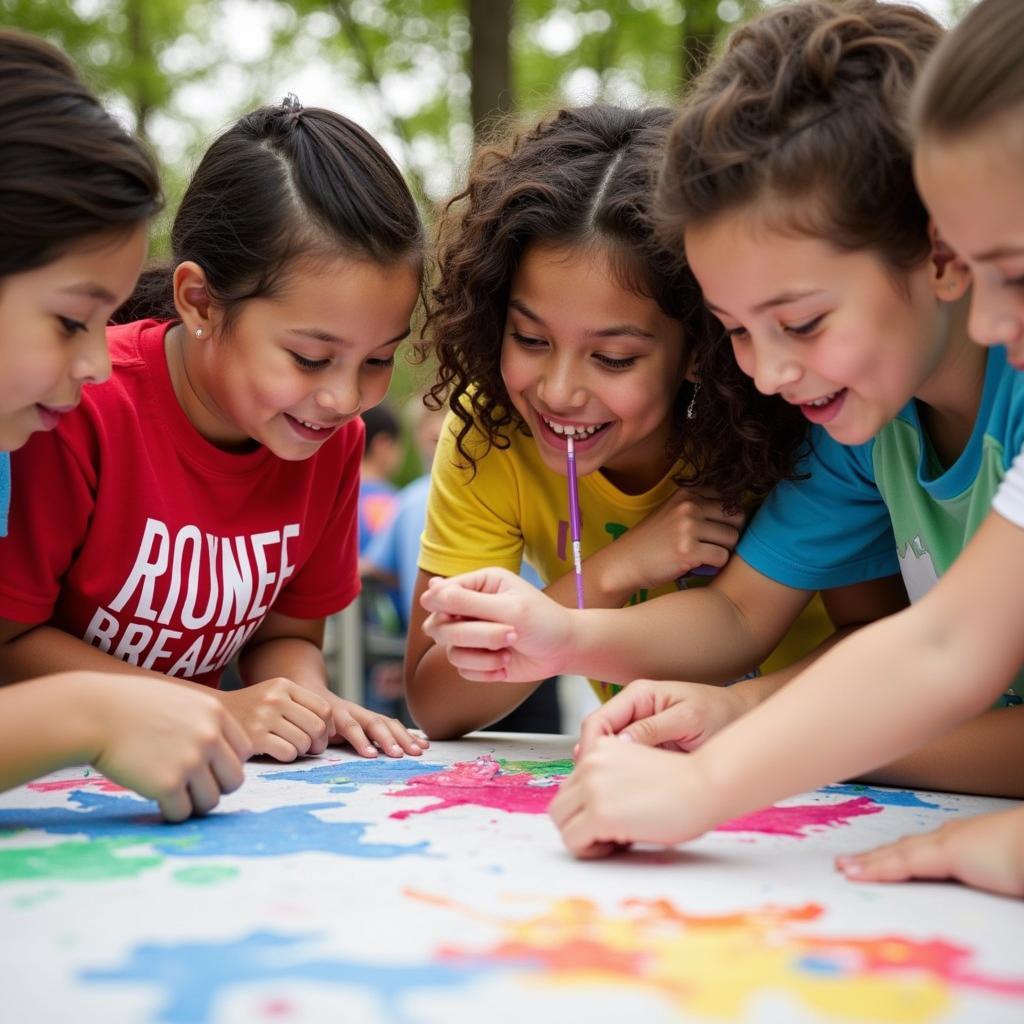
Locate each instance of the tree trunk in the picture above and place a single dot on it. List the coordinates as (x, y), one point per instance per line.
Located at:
(490, 62)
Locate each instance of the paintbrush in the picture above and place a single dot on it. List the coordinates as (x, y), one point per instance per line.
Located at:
(574, 517)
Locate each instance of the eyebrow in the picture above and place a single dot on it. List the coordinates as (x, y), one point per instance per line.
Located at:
(999, 253)
(319, 335)
(90, 290)
(779, 300)
(613, 331)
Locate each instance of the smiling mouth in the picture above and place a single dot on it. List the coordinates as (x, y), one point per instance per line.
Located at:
(820, 403)
(580, 431)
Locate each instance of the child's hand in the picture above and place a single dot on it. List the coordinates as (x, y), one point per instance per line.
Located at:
(172, 744)
(496, 627)
(623, 793)
(686, 532)
(367, 731)
(986, 852)
(678, 716)
(281, 718)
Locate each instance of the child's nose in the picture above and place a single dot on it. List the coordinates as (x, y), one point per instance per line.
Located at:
(559, 388)
(91, 360)
(774, 368)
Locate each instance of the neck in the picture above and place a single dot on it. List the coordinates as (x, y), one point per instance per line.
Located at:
(950, 398)
(184, 364)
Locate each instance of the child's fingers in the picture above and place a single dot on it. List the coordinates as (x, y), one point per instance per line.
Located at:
(352, 732)
(314, 728)
(238, 739)
(463, 633)
(204, 790)
(175, 805)
(391, 736)
(913, 857)
(498, 675)
(279, 749)
(314, 702)
(467, 603)
(473, 660)
(227, 766)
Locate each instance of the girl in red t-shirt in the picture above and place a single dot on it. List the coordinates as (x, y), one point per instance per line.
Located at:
(77, 194)
(207, 499)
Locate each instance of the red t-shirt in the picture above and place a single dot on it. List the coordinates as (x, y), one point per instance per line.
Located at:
(132, 531)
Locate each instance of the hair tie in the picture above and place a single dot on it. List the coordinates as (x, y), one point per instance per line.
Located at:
(291, 105)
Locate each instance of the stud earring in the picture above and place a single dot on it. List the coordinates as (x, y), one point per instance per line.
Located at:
(198, 332)
(691, 411)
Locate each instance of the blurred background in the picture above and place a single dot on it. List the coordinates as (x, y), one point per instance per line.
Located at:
(419, 74)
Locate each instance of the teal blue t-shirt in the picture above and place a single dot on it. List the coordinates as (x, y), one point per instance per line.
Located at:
(870, 510)
(5, 490)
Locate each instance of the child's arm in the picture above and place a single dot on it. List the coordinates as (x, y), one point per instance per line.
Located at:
(286, 654)
(986, 852)
(497, 628)
(883, 692)
(177, 747)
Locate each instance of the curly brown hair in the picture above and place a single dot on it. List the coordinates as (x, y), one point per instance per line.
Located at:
(585, 177)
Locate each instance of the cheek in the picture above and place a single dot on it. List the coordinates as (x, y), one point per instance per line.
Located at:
(373, 387)
(744, 356)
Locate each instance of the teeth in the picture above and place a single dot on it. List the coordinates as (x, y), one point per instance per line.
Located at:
(572, 429)
(818, 402)
(312, 426)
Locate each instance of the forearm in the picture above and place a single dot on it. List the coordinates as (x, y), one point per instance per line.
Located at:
(446, 706)
(984, 756)
(607, 581)
(296, 658)
(879, 695)
(697, 635)
(46, 650)
(43, 727)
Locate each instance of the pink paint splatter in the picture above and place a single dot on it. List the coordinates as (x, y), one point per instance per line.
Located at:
(94, 782)
(798, 819)
(480, 783)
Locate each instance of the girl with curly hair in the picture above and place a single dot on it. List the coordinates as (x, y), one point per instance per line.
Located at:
(559, 312)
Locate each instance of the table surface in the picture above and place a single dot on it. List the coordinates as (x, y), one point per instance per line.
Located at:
(437, 890)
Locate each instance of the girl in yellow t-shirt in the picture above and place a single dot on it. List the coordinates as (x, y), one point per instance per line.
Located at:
(559, 312)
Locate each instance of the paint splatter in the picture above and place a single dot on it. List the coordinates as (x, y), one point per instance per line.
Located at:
(205, 874)
(347, 776)
(479, 783)
(112, 823)
(193, 975)
(715, 965)
(98, 782)
(798, 820)
(886, 797)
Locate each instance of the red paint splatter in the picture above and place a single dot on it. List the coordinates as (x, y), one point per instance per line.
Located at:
(479, 783)
(277, 1008)
(798, 819)
(94, 781)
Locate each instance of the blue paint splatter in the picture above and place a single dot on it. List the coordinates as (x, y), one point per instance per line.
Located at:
(347, 776)
(819, 965)
(889, 797)
(192, 975)
(271, 833)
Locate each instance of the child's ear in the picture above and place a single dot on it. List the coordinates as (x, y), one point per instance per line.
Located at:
(951, 277)
(192, 297)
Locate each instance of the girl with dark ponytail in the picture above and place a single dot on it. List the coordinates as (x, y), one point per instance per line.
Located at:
(76, 193)
(207, 505)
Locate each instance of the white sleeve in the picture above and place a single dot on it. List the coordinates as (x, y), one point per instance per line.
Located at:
(1009, 499)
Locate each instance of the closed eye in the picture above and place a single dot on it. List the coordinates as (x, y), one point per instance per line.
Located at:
(72, 326)
(309, 364)
(526, 341)
(379, 363)
(612, 363)
(806, 328)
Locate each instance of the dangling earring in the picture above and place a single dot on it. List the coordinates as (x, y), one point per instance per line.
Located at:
(691, 412)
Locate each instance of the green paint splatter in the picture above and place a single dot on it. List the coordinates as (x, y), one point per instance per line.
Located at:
(34, 899)
(74, 861)
(208, 874)
(539, 769)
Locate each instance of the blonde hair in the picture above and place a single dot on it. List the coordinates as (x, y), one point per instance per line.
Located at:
(976, 75)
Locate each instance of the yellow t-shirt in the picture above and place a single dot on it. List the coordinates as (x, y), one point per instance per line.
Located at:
(514, 509)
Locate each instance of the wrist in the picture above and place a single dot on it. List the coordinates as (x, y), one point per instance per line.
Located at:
(614, 576)
(82, 727)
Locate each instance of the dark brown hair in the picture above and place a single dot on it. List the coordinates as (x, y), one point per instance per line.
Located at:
(977, 73)
(807, 107)
(68, 170)
(283, 183)
(581, 177)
